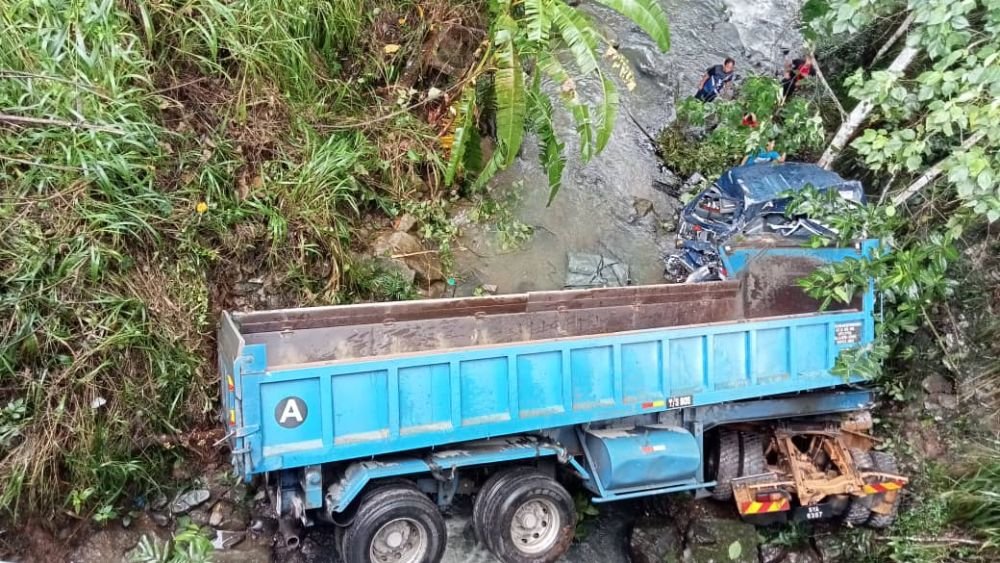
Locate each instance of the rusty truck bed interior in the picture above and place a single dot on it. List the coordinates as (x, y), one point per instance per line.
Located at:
(766, 288)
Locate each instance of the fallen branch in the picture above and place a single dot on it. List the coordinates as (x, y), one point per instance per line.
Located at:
(408, 254)
(43, 121)
(933, 172)
(900, 31)
(822, 79)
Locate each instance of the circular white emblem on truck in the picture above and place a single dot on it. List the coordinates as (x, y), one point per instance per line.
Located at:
(291, 412)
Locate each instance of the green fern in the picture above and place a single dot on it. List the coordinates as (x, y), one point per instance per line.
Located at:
(528, 33)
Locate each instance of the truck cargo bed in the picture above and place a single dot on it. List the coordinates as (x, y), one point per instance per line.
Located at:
(373, 379)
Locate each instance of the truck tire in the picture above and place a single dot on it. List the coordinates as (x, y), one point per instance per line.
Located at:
(885, 462)
(486, 497)
(753, 462)
(859, 508)
(395, 524)
(724, 464)
(532, 519)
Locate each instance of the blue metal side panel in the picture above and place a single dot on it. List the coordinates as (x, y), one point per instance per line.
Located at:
(399, 403)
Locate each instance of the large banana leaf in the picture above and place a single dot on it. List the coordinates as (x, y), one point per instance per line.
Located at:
(466, 129)
(579, 35)
(510, 92)
(648, 15)
(538, 15)
(607, 111)
(581, 114)
(540, 109)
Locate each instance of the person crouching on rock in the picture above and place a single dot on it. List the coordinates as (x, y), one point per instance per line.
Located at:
(716, 78)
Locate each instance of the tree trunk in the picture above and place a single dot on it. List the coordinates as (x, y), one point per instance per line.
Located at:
(932, 173)
(861, 111)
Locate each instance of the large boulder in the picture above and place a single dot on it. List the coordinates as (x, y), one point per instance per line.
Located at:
(655, 539)
(398, 245)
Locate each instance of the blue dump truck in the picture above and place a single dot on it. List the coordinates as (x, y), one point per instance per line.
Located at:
(374, 417)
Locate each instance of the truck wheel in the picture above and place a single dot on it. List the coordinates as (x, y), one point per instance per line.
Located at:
(753, 454)
(532, 520)
(723, 464)
(395, 524)
(885, 462)
(486, 498)
(859, 508)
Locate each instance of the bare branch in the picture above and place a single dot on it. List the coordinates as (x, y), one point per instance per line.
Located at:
(933, 172)
(900, 31)
(822, 79)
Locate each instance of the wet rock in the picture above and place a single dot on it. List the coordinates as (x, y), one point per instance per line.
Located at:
(694, 180)
(804, 554)
(160, 519)
(770, 553)
(829, 548)
(435, 290)
(245, 552)
(646, 61)
(264, 526)
(225, 539)
(490, 288)
(396, 266)
(936, 384)
(949, 402)
(200, 515)
(735, 541)
(230, 516)
(116, 543)
(184, 502)
(406, 247)
(654, 540)
(406, 222)
(642, 207)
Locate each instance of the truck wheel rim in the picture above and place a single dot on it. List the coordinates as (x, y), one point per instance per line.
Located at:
(402, 540)
(535, 526)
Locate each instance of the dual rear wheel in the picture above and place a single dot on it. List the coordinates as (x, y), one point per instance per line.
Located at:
(520, 514)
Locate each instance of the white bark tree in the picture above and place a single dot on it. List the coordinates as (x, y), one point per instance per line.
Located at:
(861, 111)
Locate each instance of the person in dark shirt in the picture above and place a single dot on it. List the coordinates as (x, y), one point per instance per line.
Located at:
(715, 79)
(799, 69)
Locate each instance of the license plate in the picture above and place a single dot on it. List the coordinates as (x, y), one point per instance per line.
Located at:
(814, 512)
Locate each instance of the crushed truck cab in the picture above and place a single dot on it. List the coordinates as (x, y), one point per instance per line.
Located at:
(372, 416)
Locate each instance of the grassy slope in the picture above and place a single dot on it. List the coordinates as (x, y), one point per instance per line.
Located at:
(189, 146)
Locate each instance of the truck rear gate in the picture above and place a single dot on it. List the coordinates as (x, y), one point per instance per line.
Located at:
(619, 383)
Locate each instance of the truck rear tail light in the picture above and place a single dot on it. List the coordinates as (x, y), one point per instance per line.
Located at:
(769, 496)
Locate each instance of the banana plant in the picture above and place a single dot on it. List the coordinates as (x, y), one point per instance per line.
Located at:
(533, 34)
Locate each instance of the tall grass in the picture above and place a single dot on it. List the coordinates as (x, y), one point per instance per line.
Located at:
(151, 154)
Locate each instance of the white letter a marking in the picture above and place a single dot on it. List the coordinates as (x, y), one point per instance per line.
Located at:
(291, 411)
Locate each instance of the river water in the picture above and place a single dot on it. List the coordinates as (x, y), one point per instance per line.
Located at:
(595, 211)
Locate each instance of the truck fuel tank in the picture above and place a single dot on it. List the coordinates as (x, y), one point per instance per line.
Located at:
(643, 456)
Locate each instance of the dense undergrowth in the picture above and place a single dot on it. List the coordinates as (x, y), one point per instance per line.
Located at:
(156, 155)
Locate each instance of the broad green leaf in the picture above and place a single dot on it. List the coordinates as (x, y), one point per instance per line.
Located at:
(606, 114)
(510, 93)
(579, 35)
(648, 15)
(581, 114)
(735, 550)
(538, 18)
(551, 154)
(467, 122)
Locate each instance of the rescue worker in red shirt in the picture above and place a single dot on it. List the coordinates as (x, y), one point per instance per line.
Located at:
(797, 70)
